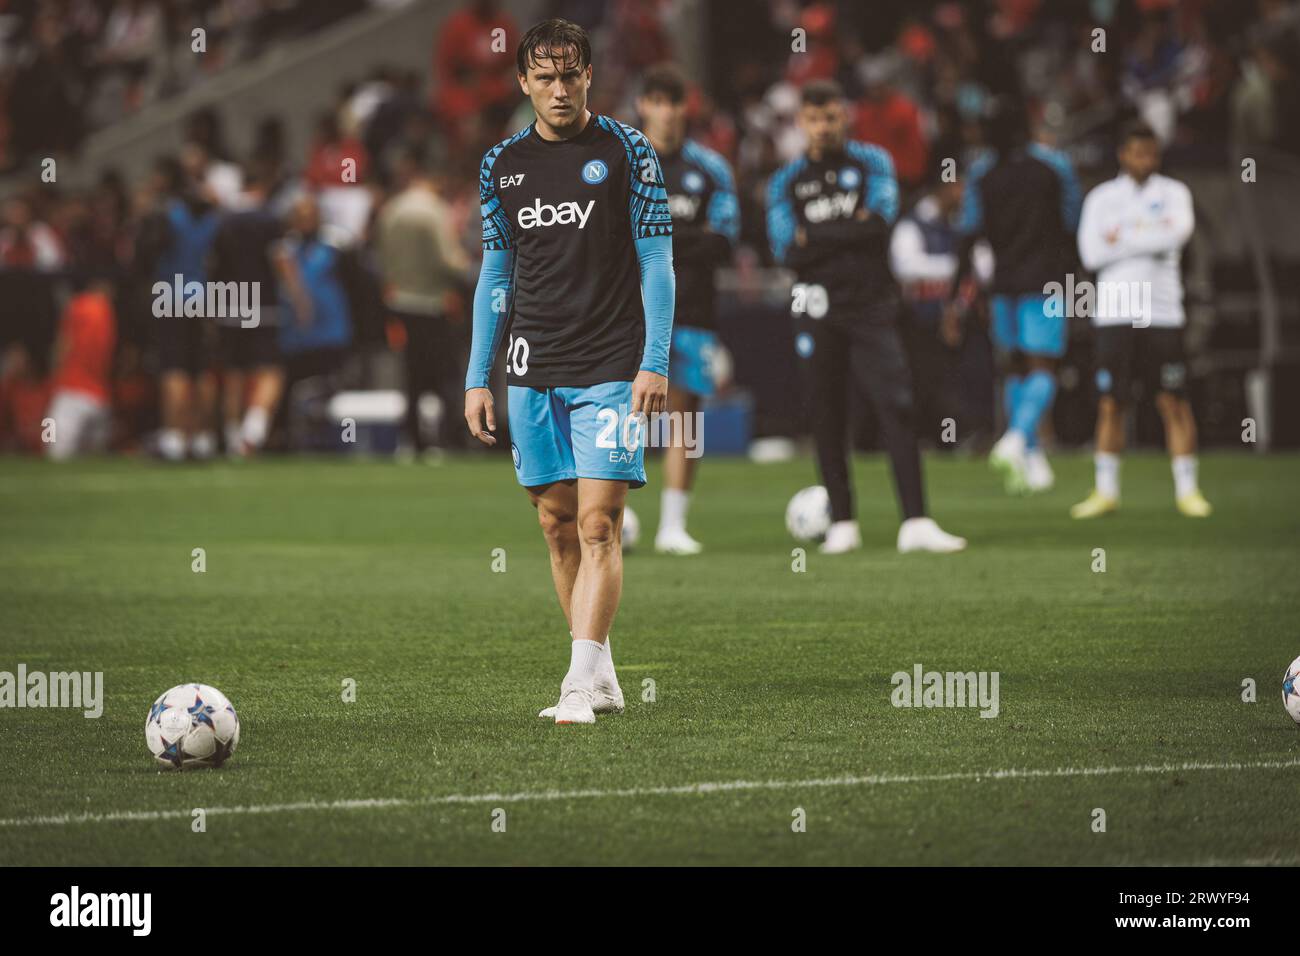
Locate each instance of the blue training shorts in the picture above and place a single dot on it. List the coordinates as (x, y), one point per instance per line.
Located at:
(557, 434)
(1021, 324)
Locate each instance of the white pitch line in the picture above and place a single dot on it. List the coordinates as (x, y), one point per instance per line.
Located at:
(731, 786)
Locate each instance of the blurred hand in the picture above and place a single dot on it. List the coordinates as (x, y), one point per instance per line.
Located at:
(649, 393)
(480, 409)
(950, 327)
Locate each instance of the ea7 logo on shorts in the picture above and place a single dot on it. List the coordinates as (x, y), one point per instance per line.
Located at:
(594, 172)
(541, 215)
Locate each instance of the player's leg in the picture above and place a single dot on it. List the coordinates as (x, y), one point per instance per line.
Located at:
(1042, 339)
(823, 351)
(1165, 365)
(880, 368)
(692, 364)
(233, 385)
(1008, 454)
(1114, 360)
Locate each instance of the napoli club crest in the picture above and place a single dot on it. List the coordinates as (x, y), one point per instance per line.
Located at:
(693, 182)
(803, 344)
(594, 171)
(514, 453)
(849, 177)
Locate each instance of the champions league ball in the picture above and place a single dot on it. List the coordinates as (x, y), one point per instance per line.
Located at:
(1291, 690)
(808, 515)
(631, 529)
(192, 725)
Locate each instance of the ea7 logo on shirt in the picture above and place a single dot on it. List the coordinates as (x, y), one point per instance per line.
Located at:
(541, 215)
(515, 179)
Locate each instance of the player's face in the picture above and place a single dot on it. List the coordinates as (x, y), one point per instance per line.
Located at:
(1139, 157)
(557, 87)
(825, 126)
(662, 118)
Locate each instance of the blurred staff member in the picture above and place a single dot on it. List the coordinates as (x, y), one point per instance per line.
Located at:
(1023, 197)
(31, 257)
(177, 237)
(316, 329)
(706, 225)
(952, 361)
(829, 214)
(83, 361)
(1131, 234)
(422, 265)
(247, 251)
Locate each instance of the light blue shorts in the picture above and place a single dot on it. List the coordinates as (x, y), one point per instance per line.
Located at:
(558, 434)
(1021, 324)
(691, 360)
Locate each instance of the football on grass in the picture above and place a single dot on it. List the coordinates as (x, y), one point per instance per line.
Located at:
(631, 529)
(192, 725)
(1291, 690)
(808, 515)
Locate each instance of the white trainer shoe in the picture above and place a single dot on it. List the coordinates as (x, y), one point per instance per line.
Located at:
(841, 537)
(922, 534)
(676, 541)
(606, 698)
(575, 707)
(1038, 473)
(1007, 458)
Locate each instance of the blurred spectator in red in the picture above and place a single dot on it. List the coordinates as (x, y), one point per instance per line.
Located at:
(79, 405)
(474, 69)
(886, 117)
(819, 58)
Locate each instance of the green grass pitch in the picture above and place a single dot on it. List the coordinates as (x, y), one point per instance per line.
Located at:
(772, 682)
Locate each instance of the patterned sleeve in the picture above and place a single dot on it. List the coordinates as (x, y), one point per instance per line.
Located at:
(882, 184)
(647, 197)
(497, 234)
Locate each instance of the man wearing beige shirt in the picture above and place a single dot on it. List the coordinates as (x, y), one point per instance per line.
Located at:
(422, 265)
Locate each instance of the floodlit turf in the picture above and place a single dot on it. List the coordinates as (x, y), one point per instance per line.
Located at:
(319, 571)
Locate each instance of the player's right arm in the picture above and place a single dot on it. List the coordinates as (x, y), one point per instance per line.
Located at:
(492, 297)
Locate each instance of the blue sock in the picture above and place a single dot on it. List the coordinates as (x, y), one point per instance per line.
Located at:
(1036, 394)
(1011, 386)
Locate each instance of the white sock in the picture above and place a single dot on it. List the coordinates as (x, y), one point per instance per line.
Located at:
(256, 422)
(584, 661)
(171, 444)
(672, 509)
(203, 444)
(233, 437)
(1107, 474)
(1184, 475)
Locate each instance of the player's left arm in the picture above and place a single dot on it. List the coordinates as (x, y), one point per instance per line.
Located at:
(652, 232)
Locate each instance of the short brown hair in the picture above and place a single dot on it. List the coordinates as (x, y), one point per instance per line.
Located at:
(548, 37)
(820, 93)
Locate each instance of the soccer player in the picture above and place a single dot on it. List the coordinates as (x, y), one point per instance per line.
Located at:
(828, 218)
(577, 263)
(702, 200)
(1024, 198)
(1131, 233)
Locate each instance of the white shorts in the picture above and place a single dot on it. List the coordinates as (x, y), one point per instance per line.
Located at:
(82, 425)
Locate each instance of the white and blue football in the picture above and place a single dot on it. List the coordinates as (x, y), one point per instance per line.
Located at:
(192, 725)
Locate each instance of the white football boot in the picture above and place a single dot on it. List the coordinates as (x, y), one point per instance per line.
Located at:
(676, 541)
(574, 706)
(1007, 458)
(923, 534)
(841, 538)
(1038, 473)
(606, 695)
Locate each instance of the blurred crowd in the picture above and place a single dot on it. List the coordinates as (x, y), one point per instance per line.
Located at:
(366, 246)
